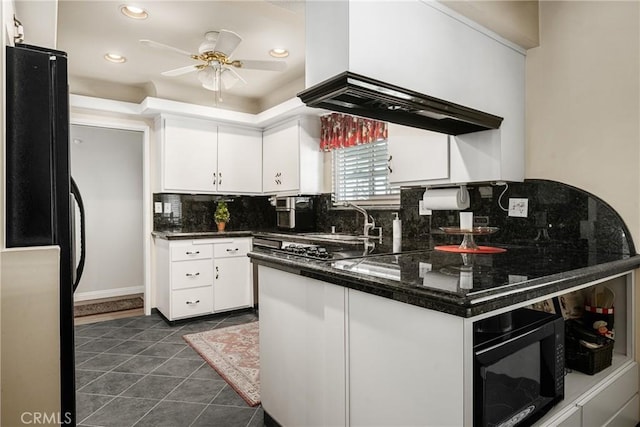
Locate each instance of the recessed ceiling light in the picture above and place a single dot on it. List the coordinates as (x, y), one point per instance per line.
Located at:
(133, 12)
(279, 52)
(114, 57)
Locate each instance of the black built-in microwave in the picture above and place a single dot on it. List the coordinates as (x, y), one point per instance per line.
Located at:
(518, 367)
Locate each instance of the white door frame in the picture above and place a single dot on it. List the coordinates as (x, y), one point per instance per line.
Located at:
(147, 226)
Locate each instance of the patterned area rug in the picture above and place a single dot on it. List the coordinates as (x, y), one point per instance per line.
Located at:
(234, 353)
(81, 310)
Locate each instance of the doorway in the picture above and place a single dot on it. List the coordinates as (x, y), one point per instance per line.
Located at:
(108, 166)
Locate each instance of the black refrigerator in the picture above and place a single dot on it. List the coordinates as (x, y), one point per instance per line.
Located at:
(39, 199)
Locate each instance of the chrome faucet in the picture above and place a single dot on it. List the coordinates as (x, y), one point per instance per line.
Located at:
(368, 225)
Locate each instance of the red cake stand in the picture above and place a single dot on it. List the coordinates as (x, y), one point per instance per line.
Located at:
(468, 245)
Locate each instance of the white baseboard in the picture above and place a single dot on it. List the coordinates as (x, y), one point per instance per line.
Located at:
(108, 293)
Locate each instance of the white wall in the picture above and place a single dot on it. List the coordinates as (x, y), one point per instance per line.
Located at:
(583, 101)
(108, 167)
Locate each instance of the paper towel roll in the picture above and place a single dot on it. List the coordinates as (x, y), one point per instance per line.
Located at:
(446, 198)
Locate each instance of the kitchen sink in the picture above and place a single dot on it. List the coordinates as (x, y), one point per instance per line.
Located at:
(336, 236)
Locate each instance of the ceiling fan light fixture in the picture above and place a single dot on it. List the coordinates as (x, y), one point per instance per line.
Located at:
(133, 12)
(115, 58)
(279, 52)
(210, 78)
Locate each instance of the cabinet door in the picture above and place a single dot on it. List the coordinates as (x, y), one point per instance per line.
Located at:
(417, 155)
(302, 350)
(239, 160)
(189, 159)
(405, 363)
(281, 158)
(232, 287)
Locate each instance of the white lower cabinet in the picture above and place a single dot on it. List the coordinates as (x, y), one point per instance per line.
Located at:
(232, 270)
(302, 350)
(340, 357)
(403, 370)
(199, 277)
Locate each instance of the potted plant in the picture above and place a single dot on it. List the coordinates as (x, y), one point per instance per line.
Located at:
(222, 215)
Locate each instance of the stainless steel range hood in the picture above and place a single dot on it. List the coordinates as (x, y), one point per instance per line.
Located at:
(352, 93)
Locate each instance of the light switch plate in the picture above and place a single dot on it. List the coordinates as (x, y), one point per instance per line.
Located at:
(518, 207)
(167, 207)
(157, 207)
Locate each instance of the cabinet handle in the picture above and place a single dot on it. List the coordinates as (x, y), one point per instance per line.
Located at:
(232, 250)
(214, 178)
(192, 275)
(217, 272)
(219, 178)
(389, 164)
(192, 253)
(193, 302)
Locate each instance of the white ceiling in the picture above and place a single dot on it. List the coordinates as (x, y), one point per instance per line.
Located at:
(88, 29)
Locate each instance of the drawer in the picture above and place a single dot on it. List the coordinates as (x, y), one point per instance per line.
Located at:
(236, 247)
(628, 415)
(184, 252)
(191, 274)
(191, 302)
(610, 399)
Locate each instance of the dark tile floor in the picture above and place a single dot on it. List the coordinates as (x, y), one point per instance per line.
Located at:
(139, 371)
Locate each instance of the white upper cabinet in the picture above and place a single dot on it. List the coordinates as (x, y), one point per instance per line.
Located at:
(198, 156)
(239, 160)
(189, 155)
(417, 156)
(292, 160)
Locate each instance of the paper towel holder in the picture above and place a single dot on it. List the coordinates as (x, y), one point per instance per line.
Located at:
(455, 198)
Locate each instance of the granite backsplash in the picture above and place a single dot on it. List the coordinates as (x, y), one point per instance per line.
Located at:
(558, 214)
(194, 212)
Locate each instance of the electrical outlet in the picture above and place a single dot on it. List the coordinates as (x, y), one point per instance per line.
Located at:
(157, 207)
(423, 210)
(167, 207)
(424, 268)
(518, 207)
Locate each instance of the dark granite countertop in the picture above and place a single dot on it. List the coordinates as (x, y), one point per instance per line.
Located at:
(462, 285)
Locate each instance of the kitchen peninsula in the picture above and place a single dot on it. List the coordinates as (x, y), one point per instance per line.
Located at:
(387, 339)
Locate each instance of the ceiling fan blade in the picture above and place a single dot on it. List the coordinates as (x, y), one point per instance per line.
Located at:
(261, 65)
(157, 45)
(180, 71)
(227, 42)
(230, 77)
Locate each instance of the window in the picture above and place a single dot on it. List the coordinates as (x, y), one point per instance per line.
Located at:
(360, 173)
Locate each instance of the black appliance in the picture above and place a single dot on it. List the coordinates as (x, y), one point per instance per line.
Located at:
(39, 187)
(296, 213)
(363, 96)
(518, 367)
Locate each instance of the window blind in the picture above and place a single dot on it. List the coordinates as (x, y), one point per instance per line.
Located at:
(360, 173)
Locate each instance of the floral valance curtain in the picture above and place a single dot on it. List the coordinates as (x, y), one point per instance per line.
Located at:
(342, 131)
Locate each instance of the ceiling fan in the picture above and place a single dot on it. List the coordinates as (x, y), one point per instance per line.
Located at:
(216, 68)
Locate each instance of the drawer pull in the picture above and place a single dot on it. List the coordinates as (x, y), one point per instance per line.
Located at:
(232, 250)
(192, 302)
(192, 252)
(192, 275)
